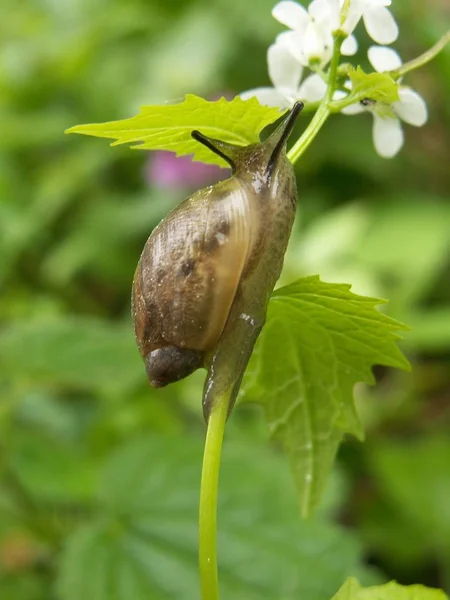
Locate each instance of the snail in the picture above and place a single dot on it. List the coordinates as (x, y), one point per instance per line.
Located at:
(205, 275)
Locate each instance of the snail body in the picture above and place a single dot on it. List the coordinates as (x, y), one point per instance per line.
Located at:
(204, 278)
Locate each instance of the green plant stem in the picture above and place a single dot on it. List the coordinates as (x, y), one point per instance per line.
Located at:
(423, 59)
(208, 499)
(310, 107)
(323, 112)
(310, 133)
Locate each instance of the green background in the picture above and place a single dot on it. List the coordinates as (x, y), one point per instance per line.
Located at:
(100, 473)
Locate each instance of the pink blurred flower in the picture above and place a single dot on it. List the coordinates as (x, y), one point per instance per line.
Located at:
(165, 170)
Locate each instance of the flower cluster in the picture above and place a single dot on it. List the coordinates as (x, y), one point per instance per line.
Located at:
(309, 44)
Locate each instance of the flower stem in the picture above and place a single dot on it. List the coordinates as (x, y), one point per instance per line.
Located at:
(208, 499)
(310, 107)
(323, 112)
(310, 133)
(423, 59)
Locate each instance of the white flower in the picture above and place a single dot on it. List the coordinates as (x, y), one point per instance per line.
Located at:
(378, 20)
(387, 130)
(324, 17)
(311, 37)
(344, 23)
(383, 59)
(285, 73)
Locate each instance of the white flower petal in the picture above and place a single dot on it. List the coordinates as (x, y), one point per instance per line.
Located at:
(319, 12)
(312, 42)
(348, 84)
(268, 96)
(284, 37)
(317, 44)
(284, 70)
(383, 59)
(293, 41)
(350, 46)
(411, 108)
(312, 89)
(353, 109)
(354, 14)
(377, 2)
(334, 8)
(339, 94)
(387, 135)
(380, 24)
(291, 14)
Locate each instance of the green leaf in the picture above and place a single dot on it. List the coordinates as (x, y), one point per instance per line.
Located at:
(352, 590)
(144, 543)
(88, 353)
(319, 340)
(50, 471)
(379, 87)
(415, 477)
(169, 126)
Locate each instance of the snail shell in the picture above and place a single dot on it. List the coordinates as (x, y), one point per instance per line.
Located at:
(211, 264)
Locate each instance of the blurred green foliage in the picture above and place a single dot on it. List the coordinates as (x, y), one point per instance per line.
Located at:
(99, 473)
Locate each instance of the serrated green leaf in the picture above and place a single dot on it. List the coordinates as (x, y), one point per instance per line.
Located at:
(169, 126)
(319, 340)
(352, 590)
(145, 543)
(379, 87)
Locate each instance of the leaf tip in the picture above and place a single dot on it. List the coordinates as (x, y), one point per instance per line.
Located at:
(405, 365)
